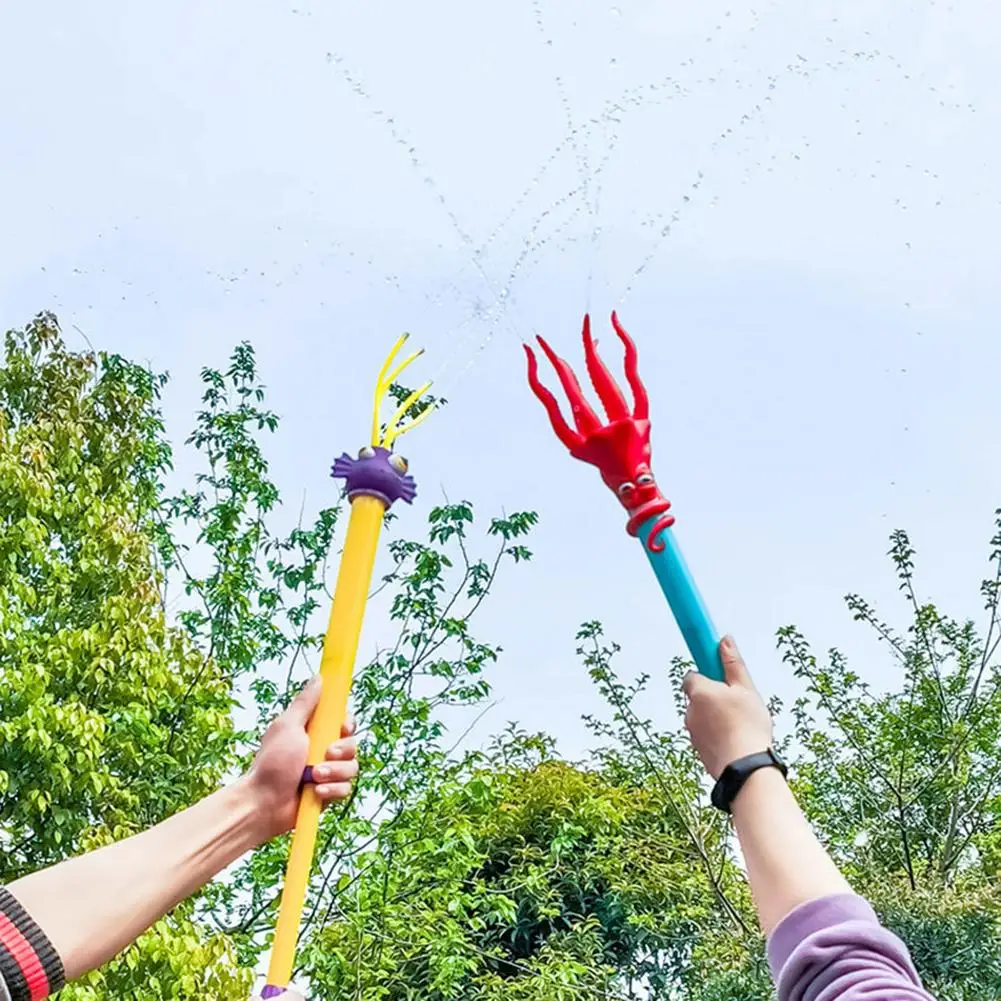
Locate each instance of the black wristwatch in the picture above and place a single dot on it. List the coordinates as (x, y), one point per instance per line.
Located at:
(735, 775)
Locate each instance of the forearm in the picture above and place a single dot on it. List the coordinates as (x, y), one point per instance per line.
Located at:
(786, 865)
(93, 906)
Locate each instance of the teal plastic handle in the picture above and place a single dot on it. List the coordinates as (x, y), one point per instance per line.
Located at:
(686, 603)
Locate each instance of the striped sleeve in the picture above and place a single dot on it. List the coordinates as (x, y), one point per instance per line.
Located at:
(30, 968)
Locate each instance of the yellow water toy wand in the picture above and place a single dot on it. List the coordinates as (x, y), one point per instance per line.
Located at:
(375, 480)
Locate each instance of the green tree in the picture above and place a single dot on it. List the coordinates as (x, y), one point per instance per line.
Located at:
(519, 875)
(915, 768)
(147, 635)
(110, 717)
(905, 783)
(901, 784)
(138, 624)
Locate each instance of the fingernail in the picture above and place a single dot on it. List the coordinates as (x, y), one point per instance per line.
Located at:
(305, 687)
(336, 790)
(728, 645)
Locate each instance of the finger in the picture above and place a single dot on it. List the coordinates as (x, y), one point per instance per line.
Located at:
(333, 792)
(349, 725)
(734, 669)
(342, 750)
(304, 704)
(696, 684)
(688, 683)
(335, 771)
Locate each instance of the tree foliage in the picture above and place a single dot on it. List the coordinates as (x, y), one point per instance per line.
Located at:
(520, 875)
(908, 779)
(111, 718)
(149, 635)
(150, 629)
(904, 780)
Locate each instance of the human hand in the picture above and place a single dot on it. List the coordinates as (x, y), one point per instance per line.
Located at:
(275, 777)
(727, 720)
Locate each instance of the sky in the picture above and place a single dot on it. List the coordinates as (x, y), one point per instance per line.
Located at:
(793, 207)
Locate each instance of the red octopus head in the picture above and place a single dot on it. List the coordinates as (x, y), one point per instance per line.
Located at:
(619, 448)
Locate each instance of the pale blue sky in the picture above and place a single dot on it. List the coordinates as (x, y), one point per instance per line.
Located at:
(818, 331)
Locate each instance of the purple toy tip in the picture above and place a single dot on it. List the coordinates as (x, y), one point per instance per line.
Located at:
(377, 473)
(408, 489)
(343, 467)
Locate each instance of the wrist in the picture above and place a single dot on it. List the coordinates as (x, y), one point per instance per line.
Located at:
(249, 815)
(761, 790)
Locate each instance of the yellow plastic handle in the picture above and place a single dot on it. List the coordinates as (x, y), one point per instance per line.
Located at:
(340, 648)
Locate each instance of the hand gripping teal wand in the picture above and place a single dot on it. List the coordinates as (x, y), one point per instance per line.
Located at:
(621, 451)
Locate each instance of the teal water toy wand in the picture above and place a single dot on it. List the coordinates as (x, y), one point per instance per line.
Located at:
(621, 451)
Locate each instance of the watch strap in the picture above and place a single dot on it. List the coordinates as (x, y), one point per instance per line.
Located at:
(736, 774)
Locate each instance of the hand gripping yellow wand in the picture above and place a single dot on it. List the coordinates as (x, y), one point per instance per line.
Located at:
(374, 481)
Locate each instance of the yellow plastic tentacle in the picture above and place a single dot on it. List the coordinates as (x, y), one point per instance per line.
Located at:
(410, 425)
(403, 338)
(407, 404)
(381, 385)
(394, 375)
(392, 429)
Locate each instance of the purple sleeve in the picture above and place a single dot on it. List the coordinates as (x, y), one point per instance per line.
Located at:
(835, 949)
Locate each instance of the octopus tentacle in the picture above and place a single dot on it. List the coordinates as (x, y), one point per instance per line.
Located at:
(655, 540)
(570, 438)
(408, 489)
(342, 467)
(641, 410)
(584, 416)
(608, 390)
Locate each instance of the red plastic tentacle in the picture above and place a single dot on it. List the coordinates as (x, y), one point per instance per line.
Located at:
(641, 410)
(564, 432)
(606, 387)
(655, 540)
(584, 417)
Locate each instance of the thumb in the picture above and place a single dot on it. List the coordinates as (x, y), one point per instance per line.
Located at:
(304, 704)
(734, 668)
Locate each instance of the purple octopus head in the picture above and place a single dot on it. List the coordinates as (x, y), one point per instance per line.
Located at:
(377, 472)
